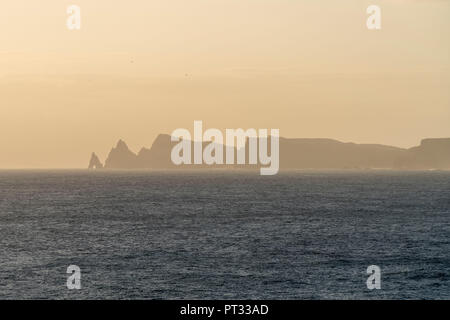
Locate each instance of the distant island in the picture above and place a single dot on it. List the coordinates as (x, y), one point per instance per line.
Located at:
(296, 154)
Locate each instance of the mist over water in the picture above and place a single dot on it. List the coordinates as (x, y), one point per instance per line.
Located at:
(224, 235)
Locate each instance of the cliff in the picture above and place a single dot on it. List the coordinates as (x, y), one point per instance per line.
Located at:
(333, 154)
(431, 154)
(121, 157)
(298, 154)
(95, 163)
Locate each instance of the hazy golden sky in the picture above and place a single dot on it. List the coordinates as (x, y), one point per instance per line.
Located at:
(140, 67)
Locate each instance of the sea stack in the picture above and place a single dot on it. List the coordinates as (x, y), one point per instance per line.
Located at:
(95, 163)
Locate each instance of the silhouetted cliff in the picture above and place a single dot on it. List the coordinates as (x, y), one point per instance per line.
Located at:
(121, 157)
(157, 157)
(95, 163)
(297, 154)
(431, 154)
(329, 154)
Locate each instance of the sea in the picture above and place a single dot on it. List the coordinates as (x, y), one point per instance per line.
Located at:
(224, 234)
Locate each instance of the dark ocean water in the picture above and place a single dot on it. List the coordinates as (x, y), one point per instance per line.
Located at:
(153, 235)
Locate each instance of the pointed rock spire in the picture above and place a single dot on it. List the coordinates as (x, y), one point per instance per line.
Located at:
(95, 163)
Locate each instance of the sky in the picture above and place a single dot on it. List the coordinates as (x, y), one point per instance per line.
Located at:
(138, 68)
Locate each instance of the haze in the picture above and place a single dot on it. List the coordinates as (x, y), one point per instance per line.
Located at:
(140, 68)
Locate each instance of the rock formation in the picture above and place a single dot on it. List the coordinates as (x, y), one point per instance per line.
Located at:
(431, 154)
(95, 163)
(121, 157)
(298, 154)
